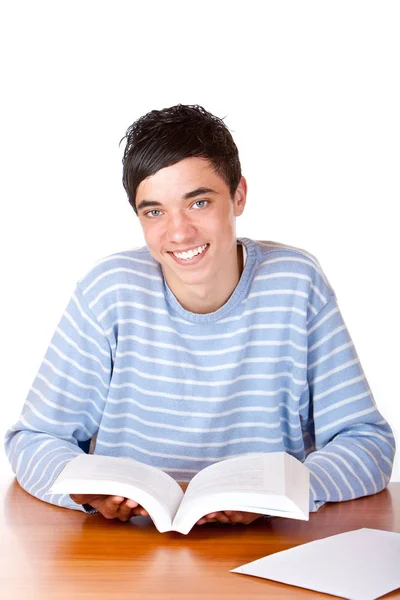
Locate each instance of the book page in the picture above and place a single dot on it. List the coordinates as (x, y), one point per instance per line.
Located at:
(249, 473)
(252, 483)
(156, 491)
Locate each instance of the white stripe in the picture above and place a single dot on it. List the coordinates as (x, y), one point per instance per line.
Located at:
(95, 326)
(278, 293)
(383, 457)
(318, 293)
(84, 336)
(31, 473)
(219, 336)
(72, 379)
(313, 492)
(330, 354)
(27, 469)
(56, 422)
(246, 393)
(339, 386)
(330, 479)
(21, 456)
(162, 454)
(82, 352)
(330, 335)
(323, 320)
(283, 274)
(304, 405)
(125, 286)
(60, 408)
(311, 308)
(185, 428)
(187, 413)
(171, 363)
(51, 478)
(186, 443)
(200, 382)
(324, 456)
(12, 445)
(205, 444)
(278, 246)
(362, 465)
(64, 393)
(346, 419)
(142, 261)
(210, 352)
(263, 309)
(290, 424)
(352, 471)
(321, 483)
(350, 363)
(311, 263)
(120, 270)
(380, 437)
(336, 405)
(58, 499)
(76, 364)
(161, 410)
(378, 468)
(121, 304)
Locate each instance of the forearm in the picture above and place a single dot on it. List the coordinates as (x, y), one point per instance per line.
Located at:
(357, 462)
(37, 459)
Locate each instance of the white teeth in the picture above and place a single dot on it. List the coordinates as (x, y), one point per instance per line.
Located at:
(191, 253)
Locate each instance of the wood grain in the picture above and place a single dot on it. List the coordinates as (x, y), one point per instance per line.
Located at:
(50, 553)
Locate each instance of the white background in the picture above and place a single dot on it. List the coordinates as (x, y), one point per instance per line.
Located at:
(310, 90)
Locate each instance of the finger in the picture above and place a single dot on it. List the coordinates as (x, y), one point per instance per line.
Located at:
(81, 498)
(210, 518)
(139, 511)
(125, 512)
(244, 518)
(109, 507)
(143, 512)
(205, 520)
(235, 516)
(221, 517)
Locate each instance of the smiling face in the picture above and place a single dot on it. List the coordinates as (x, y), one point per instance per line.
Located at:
(189, 223)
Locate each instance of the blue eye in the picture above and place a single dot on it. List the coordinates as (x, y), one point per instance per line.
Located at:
(202, 202)
(151, 213)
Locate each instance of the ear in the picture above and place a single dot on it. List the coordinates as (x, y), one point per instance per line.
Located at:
(239, 200)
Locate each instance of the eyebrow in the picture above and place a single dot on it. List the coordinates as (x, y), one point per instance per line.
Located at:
(193, 194)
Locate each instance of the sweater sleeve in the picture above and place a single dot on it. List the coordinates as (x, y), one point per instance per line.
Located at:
(353, 444)
(64, 405)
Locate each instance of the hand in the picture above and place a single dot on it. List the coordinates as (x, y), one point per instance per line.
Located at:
(112, 507)
(229, 516)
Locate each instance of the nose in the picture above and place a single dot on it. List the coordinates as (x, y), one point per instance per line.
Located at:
(180, 228)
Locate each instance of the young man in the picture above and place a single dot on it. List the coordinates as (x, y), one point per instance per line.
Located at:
(200, 346)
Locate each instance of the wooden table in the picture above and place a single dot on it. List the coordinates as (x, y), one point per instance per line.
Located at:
(54, 553)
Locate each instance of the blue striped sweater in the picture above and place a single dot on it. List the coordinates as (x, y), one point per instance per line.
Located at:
(274, 369)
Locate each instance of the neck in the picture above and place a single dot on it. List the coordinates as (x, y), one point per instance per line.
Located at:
(202, 299)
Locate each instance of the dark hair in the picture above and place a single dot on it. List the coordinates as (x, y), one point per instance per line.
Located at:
(164, 137)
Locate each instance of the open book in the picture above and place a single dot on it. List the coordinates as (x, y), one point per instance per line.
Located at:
(274, 484)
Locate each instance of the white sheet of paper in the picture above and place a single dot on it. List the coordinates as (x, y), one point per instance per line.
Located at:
(359, 565)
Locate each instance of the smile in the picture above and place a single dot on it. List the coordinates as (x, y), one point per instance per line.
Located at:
(190, 254)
